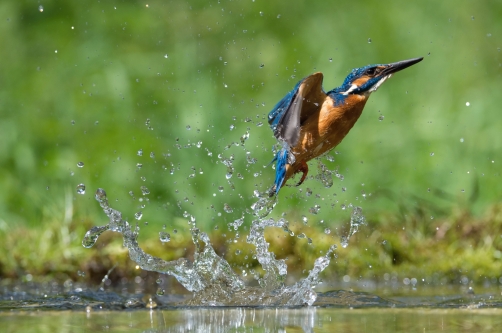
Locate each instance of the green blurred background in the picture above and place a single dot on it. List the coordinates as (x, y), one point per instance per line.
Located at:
(96, 82)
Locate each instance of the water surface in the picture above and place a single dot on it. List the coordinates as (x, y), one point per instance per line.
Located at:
(306, 319)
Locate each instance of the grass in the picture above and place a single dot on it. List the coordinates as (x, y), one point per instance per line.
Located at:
(441, 250)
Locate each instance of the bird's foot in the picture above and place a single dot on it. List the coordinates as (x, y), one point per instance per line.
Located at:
(304, 168)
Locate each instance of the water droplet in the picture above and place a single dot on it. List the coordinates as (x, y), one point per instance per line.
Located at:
(238, 252)
(144, 190)
(81, 189)
(381, 118)
(314, 210)
(92, 235)
(166, 56)
(432, 154)
(369, 40)
(330, 59)
(261, 13)
(138, 215)
(262, 65)
(305, 219)
(80, 164)
(151, 304)
(244, 137)
(188, 127)
(227, 208)
(302, 235)
(344, 242)
(327, 231)
(152, 155)
(160, 292)
(140, 152)
(467, 103)
(308, 192)
(232, 127)
(164, 237)
(40, 8)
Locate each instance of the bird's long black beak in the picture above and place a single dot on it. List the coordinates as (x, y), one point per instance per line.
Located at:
(400, 65)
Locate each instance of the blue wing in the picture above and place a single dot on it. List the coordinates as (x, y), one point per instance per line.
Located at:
(287, 116)
(280, 109)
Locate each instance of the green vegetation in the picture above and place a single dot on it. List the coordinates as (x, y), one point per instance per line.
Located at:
(181, 81)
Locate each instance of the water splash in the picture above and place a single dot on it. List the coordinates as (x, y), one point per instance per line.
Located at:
(357, 219)
(324, 175)
(265, 204)
(210, 278)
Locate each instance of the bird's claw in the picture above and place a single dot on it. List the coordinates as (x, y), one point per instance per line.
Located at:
(304, 169)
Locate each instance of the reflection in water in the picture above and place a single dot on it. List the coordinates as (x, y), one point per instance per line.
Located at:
(306, 319)
(231, 319)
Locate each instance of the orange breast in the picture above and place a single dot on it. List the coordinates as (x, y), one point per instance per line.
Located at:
(324, 129)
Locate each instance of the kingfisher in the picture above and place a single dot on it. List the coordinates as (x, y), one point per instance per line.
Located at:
(309, 122)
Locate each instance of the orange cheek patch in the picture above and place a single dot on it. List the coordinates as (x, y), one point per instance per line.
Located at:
(362, 80)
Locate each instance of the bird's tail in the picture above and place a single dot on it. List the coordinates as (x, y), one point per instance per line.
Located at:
(282, 158)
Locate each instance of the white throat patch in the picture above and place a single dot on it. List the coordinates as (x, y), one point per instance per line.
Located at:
(378, 84)
(352, 88)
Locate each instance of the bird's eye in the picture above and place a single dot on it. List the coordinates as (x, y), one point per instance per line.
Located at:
(370, 71)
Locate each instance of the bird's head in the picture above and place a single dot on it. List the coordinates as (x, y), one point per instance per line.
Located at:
(365, 80)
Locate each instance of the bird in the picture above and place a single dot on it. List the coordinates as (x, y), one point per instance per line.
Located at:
(309, 122)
